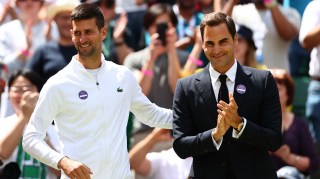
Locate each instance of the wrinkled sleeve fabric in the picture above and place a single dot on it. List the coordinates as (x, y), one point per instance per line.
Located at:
(33, 139)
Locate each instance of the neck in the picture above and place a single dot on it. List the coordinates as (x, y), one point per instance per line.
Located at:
(93, 62)
(286, 120)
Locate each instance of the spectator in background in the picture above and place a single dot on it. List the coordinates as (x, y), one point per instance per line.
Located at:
(158, 66)
(17, 46)
(245, 51)
(188, 21)
(115, 46)
(298, 149)
(24, 86)
(158, 165)
(204, 6)
(299, 57)
(309, 39)
(7, 11)
(48, 59)
(274, 28)
(18, 40)
(135, 10)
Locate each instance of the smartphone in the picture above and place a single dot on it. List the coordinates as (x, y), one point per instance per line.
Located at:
(161, 30)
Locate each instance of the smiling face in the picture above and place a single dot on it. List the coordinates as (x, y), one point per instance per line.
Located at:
(29, 7)
(62, 20)
(219, 47)
(18, 87)
(87, 38)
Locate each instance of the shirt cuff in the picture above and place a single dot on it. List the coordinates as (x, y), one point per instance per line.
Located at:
(236, 134)
(217, 144)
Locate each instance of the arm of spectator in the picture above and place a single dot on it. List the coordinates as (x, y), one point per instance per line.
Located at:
(138, 153)
(311, 39)
(122, 49)
(145, 76)
(7, 11)
(174, 67)
(47, 30)
(225, 6)
(300, 162)
(191, 65)
(11, 140)
(286, 29)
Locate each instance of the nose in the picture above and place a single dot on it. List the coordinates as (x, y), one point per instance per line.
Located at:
(82, 39)
(216, 49)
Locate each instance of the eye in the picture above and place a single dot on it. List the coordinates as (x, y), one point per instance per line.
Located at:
(76, 33)
(209, 44)
(88, 32)
(224, 42)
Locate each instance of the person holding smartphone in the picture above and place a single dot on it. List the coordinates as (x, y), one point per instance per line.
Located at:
(158, 66)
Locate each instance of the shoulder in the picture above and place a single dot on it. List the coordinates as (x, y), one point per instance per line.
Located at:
(255, 72)
(137, 57)
(7, 27)
(197, 76)
(118, 70)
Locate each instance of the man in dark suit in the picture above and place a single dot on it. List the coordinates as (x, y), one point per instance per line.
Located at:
(227, 140)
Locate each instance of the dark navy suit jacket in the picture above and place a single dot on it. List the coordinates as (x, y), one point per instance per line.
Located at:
(195, 115)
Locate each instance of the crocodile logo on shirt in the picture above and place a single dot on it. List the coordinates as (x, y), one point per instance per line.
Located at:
(119, 90)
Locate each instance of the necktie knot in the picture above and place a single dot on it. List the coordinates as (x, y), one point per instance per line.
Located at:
(223, 91)
(223, 78)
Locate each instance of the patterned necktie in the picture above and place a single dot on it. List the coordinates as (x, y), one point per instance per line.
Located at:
(223, 91)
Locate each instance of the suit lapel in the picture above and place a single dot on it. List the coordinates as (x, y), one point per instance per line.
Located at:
(242, 85)
(204, 86)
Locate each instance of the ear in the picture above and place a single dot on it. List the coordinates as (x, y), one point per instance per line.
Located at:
(235, 39)
(104, 32)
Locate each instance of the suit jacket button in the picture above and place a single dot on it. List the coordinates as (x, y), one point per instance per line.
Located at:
(223, 164)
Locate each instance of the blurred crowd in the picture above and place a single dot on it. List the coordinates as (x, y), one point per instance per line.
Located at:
(160, 42)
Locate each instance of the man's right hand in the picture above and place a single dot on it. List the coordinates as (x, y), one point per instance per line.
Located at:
(221, 128)
(74, 169)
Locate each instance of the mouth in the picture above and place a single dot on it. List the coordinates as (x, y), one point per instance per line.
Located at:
(217, 56)
(84, 45)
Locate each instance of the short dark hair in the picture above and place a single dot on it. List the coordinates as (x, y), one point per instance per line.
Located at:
(157, 10)
(88, 11)
(32, 76)
(282, 77)
(215, 19)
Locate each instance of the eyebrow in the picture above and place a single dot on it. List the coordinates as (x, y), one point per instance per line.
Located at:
(220, 41)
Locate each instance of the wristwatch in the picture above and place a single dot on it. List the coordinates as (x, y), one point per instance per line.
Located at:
(240, 126)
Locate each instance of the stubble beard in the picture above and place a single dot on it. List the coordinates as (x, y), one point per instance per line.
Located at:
(86, 54)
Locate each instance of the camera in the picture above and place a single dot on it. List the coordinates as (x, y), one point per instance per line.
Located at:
(10, 171)
(161, 30)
